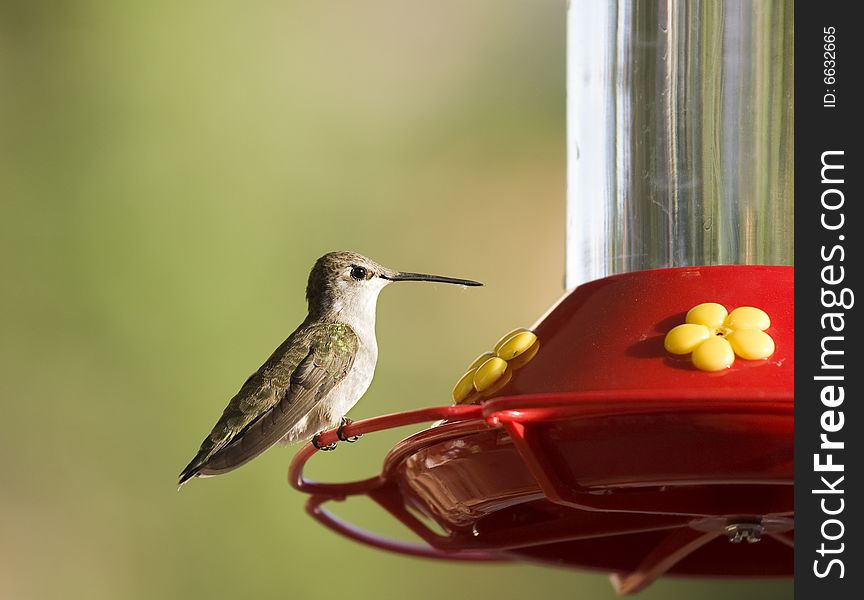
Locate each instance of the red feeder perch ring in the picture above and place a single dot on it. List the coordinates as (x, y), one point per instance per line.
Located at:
(608, 451)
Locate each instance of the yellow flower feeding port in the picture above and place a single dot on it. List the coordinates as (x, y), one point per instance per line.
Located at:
(713, 337)
(491, 371)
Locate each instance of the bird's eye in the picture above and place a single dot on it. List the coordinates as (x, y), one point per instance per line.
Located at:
(358, 273)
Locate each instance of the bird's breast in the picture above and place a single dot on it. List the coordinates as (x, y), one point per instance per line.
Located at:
(357, 380)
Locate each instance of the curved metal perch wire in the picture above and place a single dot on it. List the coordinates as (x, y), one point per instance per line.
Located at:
(377, 487)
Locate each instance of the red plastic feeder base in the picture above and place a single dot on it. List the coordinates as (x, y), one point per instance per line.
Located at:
(605, 451)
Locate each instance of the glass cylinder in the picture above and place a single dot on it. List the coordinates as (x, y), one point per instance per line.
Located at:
(679, 135)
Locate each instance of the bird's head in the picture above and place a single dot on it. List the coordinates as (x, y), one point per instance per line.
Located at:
(342, 281)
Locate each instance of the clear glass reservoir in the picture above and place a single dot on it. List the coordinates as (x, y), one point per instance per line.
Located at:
(680, 139)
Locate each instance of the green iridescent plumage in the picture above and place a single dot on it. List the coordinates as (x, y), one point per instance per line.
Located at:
(299, 374)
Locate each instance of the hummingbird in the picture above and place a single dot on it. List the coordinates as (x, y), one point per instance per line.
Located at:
(315, 376)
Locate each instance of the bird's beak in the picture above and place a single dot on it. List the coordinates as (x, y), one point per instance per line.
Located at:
(424, 277)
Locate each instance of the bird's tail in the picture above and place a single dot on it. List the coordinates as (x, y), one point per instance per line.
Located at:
(191, 469)
(215, 459)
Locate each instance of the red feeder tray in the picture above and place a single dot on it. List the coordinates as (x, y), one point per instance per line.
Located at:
(605, 451)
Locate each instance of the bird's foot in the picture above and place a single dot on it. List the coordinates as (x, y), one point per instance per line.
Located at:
(340, 433)
(318, 446)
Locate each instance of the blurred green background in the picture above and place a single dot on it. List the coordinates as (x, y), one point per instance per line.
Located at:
(168, 174)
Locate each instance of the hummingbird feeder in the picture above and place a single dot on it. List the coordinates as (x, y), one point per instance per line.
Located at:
(644, 425)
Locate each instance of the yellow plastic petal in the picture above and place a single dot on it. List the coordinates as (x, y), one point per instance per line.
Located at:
(516, 345)
(709, 314)
(480, 360)
(683, 339)
(714, 354)
(464, 387)
(505, 378)
(488, 373)
(524, 358)
(747, 317)
(751, 344)
(508, 337)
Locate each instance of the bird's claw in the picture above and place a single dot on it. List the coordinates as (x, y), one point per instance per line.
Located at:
(340, 433)
(318, 446)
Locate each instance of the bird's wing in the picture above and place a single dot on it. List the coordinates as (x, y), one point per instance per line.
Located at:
(306, 370)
